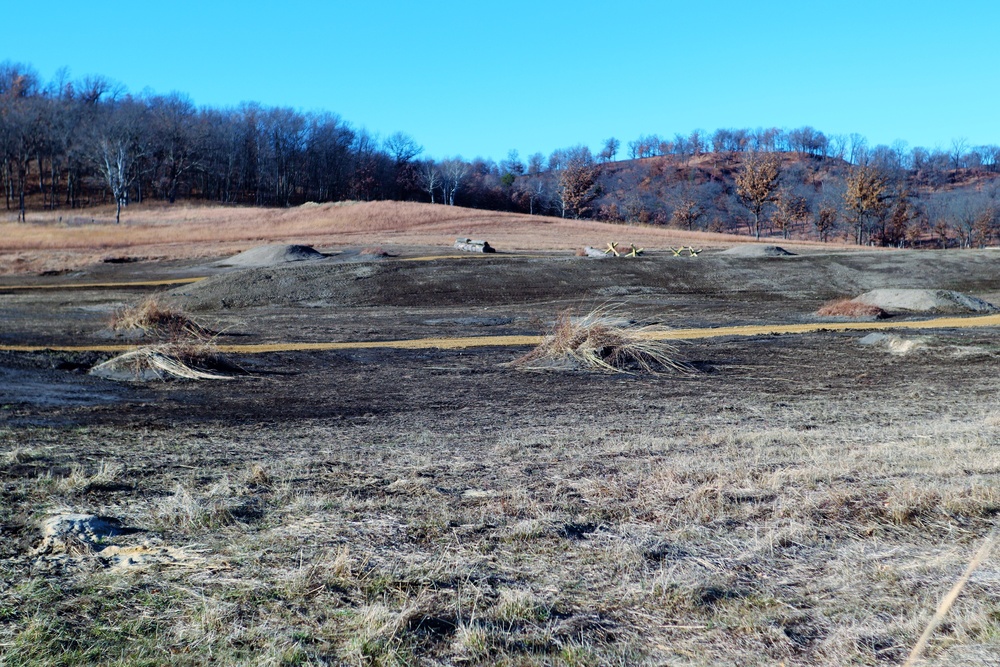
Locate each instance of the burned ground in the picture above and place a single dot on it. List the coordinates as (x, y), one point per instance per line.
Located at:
(803, 499)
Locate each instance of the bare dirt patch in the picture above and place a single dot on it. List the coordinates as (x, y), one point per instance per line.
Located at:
(758, 250)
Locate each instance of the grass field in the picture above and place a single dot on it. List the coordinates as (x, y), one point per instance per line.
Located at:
(57, 240)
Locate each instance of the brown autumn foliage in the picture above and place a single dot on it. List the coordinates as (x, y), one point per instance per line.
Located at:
(756, 184)
(866, 198)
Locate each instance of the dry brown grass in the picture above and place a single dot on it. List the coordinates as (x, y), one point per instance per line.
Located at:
(51, 241)
(189, 360)
(155, 318)
(853, 309)
(597, 341)
(758, 543)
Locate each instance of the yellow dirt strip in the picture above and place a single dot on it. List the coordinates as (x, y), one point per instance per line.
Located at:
(527, 341)
(813, 327)
(142, 283)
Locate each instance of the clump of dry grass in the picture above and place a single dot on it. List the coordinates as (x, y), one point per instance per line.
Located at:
(191, 360)
(157, 319)
(597, 342)
(849, 308)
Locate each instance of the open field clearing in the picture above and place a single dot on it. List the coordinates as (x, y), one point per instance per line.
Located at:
(54, 241)
(801, 499)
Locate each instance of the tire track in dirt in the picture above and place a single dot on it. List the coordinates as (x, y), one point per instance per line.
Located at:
(459, 343)
(140, 283)
(195, 279)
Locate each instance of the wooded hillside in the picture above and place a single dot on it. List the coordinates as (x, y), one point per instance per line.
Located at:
(72, 144)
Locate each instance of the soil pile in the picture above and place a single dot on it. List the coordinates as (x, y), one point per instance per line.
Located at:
(925, 301)
(493, 279)
(269, 255)
(757, 250)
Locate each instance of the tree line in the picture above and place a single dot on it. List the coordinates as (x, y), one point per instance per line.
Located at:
(75, 143)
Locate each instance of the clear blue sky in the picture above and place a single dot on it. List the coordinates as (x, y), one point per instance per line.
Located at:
(480, 78)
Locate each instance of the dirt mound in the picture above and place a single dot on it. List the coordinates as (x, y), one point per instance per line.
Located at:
(494, 279)
(757, 250)
(925, 301)
(269, 255)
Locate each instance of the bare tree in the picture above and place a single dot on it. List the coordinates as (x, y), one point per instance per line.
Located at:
(790, 210)
(19, 141)
(178, 139)
(610, 150)
(115, 151)
(973, 216)
(402, 148)
(756, 184)
(453, 172)
(430, 178)
(957, 154)
(857, 153)
(532, 190)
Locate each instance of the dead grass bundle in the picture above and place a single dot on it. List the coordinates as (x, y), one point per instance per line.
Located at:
(155, 319)
(849, 308)
(598, 342)
(374, 251)
(189, 360)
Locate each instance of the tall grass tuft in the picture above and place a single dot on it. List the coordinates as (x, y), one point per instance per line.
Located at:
(597, 342)
(156, 319)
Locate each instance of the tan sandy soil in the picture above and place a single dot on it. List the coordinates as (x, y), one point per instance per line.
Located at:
(61, 240)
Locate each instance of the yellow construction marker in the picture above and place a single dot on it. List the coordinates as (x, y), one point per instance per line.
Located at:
(527, 341)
